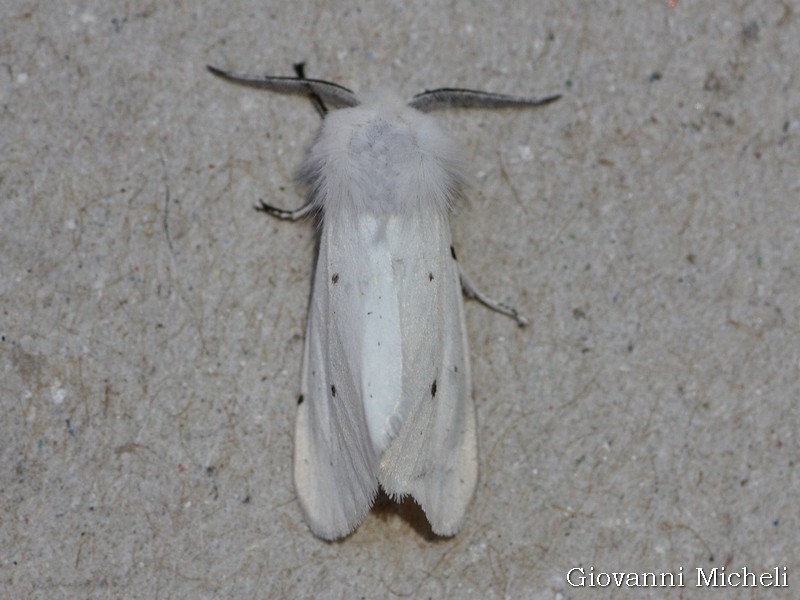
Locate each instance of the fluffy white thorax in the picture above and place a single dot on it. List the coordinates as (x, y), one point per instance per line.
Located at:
(385, 158)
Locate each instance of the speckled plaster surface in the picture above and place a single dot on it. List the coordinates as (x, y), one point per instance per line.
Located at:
(648, 224)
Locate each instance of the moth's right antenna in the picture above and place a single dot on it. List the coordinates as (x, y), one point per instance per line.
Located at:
(458, 98)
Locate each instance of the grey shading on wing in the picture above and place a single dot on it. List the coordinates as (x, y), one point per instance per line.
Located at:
(335, 464)
(333, 94)
(434, 458)
(432, 453)
(458, 98)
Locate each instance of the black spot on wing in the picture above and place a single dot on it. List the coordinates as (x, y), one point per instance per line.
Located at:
(300, 400)
(453, 253)
(333, 390)
(433, 389)
(335, 278)
(430, 276)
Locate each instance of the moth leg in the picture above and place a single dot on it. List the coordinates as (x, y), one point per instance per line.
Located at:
(306, 209)
(470, 291)
(286, 215)
(319, 105)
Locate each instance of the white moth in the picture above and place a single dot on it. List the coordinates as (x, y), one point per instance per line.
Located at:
(385, 398)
